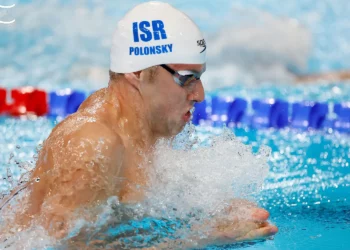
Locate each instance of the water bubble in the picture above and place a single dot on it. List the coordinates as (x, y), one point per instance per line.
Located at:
(9, 177)
(182, 180)
(11, 157)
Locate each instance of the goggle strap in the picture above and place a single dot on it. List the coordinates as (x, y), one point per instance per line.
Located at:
(170, 70)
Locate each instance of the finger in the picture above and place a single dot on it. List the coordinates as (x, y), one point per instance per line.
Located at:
(254, 214)
(260, 233)
(264, 224)
(232, 231)
(259, 214)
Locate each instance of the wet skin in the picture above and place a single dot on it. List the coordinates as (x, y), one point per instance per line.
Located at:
(96, 153)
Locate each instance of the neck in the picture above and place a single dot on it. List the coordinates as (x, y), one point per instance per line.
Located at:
(130, 115)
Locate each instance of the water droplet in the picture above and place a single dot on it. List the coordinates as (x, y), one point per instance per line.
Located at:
(11, 156)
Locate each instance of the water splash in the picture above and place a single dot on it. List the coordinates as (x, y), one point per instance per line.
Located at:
(204, 178)
(191, 181)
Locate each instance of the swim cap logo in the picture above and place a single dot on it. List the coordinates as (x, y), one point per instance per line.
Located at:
(202, 43)
(158, 31)
(141, 31)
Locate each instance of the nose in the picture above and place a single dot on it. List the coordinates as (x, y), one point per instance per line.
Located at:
(196, 94)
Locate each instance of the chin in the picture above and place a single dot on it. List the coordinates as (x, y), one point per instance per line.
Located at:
(171, 128)
(180, 128)
(175, 130)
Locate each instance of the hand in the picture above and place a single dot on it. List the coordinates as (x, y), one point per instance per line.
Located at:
(242, 221)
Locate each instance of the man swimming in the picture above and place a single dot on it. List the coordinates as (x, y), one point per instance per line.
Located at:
(157, 59)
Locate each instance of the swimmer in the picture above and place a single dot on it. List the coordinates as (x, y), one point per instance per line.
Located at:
(327, 77)
(157, 58)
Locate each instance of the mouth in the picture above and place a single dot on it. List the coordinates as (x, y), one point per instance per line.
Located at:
(187, 116)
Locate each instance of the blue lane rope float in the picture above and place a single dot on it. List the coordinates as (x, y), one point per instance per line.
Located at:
(272, 113)
(236, 112)
(269, 113)
(342, 123)
(215, 111)
(58, 103)
(309, 115)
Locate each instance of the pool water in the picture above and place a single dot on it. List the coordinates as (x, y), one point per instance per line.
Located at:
(306, 191)
(299, 37)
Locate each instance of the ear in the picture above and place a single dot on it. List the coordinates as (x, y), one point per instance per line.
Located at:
(134, 78)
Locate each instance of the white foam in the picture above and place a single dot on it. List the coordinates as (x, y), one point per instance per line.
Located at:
(34, 238)
(205, 178)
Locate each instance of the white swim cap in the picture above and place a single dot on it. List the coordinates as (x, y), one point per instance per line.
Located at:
(155, 33)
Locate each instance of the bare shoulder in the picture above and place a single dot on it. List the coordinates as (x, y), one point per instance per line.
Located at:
(79, 165)
(96, 139)
(81, 141)
(96, 132)
(79, 128)
(82, 157)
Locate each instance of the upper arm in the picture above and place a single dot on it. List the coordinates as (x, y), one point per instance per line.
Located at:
(83, 167)
(74, 169)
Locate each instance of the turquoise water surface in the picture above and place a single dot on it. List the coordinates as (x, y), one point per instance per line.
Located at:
(306, 191)
(63, 43)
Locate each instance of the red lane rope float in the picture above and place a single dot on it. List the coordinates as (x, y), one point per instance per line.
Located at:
(3, 105)
(27, 100)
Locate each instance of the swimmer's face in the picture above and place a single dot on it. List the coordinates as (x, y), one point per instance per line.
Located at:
(168, 103)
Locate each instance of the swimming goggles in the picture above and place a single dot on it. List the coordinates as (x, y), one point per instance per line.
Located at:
(183, 80)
